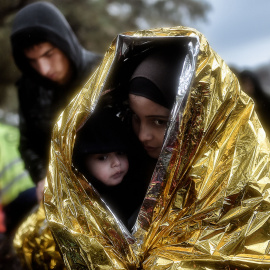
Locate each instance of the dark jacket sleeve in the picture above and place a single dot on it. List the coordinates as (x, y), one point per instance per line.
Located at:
(31, 139)
(34, 163)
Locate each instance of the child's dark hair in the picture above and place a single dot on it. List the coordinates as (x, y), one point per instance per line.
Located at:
(103, 132)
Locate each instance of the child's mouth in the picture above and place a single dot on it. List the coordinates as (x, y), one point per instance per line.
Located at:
(118, 174)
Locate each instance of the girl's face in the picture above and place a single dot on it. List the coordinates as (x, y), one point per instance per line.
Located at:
(149, 121)
(108, 168)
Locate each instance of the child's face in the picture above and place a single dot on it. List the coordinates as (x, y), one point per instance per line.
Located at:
(108, 168)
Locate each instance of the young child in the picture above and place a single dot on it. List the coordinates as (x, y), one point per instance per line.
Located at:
(101, 153)
(100, 150)
(108, 168)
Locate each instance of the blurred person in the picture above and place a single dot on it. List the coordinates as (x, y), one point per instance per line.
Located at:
(2, 220)
(53, 65)
(17, 192)
(251, 84)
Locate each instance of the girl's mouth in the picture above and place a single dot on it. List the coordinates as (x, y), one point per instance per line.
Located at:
(149, 148)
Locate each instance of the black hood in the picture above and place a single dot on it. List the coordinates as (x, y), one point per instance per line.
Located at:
(40, 22)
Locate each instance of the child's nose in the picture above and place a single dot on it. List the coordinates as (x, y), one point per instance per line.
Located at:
(116, 161)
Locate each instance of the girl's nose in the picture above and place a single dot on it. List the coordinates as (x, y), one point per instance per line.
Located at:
(144, 134)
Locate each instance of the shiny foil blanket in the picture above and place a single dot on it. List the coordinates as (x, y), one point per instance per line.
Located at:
(207, 205)
(35, 245)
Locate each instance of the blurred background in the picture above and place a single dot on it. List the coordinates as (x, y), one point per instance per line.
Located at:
(237, 30)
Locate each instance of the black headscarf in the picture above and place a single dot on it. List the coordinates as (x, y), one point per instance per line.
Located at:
(157, 76)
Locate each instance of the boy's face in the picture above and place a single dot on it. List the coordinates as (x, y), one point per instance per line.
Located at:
(50, 62)
(108, 168)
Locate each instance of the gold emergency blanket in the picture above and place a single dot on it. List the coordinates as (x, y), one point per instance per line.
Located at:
(34, 243)
(207, 206)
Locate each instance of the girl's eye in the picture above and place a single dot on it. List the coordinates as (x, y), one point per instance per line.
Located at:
(160, 122)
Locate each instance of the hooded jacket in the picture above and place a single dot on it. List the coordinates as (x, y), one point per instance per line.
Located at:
(41, 100)
(207, 204)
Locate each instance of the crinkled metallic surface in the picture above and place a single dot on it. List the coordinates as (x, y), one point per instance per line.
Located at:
(207, 206)
(34, 243)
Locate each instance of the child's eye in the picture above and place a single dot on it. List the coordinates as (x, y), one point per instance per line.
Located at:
(103, 157)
